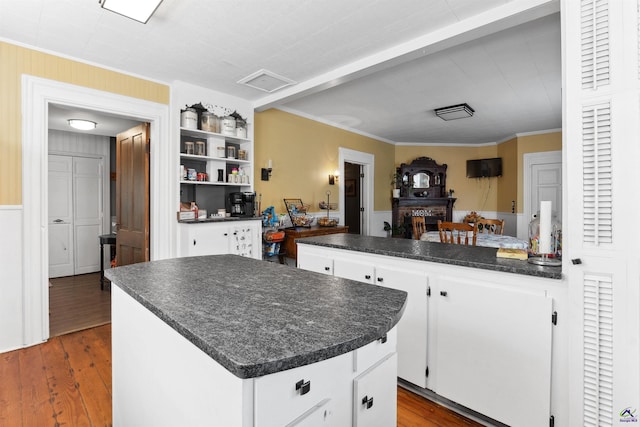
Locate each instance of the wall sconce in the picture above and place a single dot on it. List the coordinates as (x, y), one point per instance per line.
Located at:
(266, 172)
(333, 178)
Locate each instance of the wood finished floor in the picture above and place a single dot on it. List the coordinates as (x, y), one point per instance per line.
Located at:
(67, 382)
(76, 303)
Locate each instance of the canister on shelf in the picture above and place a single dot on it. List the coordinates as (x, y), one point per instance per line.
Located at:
(241, 128)
(188, 147)
(189, 118)
(199, 148)
(242, 154)
(209, 122)
(228, 126)
(220, 151)
(231, 152)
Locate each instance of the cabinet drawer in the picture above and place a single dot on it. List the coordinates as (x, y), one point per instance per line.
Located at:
(285, 396)
(354, 270)
(372, 353)
(319, 264)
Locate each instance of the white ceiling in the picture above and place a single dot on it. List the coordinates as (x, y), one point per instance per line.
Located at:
(378, 67)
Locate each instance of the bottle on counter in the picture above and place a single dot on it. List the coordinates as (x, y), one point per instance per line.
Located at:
(194, 209)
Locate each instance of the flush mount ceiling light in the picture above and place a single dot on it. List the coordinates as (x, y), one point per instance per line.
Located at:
(454, 112)
(82, 124)
(266, 80)
(139, 10)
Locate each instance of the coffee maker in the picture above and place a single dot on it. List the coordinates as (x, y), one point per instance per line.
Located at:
(242, 204)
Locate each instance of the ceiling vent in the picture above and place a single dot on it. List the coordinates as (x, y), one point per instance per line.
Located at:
(266, 81)
(454, 112)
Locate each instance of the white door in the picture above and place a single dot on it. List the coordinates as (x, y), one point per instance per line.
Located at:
(60, 216)
(542, 181)
(87, 209)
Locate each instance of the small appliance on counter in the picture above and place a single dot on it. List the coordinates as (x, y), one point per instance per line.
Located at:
(242, 204)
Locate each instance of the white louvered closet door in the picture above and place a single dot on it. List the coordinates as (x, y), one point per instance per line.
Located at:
(601, 138)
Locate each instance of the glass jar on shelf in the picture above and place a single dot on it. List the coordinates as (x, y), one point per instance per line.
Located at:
(241, 128)
(209, 122)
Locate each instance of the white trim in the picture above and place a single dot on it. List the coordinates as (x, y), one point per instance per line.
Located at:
(37, 94)
(367, 161)
(529, 160)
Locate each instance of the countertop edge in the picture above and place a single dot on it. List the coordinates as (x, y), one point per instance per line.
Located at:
(244, 371)
(503, 265)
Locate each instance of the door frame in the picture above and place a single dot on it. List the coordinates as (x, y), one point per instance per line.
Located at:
(367, 161)
(529, 160)
(37, 94)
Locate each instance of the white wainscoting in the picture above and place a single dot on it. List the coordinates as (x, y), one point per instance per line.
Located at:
(11, 326)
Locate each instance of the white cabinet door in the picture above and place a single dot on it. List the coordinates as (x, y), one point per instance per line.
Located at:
(244, 239)
(375, 395)
(205, 239)
(348, 268)
(493, 349)
(412, 327)
(289, 396)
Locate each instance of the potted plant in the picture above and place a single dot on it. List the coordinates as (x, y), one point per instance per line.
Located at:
(399, 184)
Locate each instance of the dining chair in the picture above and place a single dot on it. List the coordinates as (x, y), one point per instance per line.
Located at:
(419, 226)
(490, 226)
(456, 232)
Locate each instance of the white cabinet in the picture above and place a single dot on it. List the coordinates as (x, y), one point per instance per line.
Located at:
(374, 402)
(217, 238)
(203, 392)
(493, 349)
(413, 326)
(391, 273)
(482, 339)
(291, 395)
(317, 263)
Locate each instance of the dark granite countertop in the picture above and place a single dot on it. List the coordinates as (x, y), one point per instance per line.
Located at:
(219, 219)
(255, 317)
(466, 256)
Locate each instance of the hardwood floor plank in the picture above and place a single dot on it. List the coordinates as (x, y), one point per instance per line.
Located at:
(36, 399)
(11, 388)
(414, 410)
(68, 406)
(96, 396)
(77, 303)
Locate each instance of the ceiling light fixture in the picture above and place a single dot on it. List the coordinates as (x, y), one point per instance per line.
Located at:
(138, 10)
(82, 124)
(454, 112)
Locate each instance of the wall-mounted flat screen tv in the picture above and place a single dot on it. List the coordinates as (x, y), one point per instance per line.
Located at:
(484, 168)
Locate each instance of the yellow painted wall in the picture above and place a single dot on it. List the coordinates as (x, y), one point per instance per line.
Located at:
(303, 153)
(471, 194)
(16, 61)
(508, 188)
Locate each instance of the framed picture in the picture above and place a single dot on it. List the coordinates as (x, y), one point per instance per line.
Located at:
(350, 187)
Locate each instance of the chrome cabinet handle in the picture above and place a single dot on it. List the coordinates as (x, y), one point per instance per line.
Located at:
(303, 387)
(367, 402)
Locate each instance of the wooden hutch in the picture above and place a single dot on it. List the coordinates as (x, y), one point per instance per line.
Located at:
(423, 192)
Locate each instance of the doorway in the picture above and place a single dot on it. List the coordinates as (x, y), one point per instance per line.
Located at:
(38, 93)
(353, 197)
(365, 162)
(542, 180)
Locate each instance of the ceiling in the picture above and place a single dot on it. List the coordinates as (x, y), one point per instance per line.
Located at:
(377, 67)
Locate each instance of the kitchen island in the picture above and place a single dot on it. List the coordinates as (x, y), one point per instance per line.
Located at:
(487, 333)
(229, 340)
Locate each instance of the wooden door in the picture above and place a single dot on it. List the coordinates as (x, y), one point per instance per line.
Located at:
(60, 216)
(132, 195)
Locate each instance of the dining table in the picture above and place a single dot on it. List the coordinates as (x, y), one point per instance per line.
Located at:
(484, 239)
